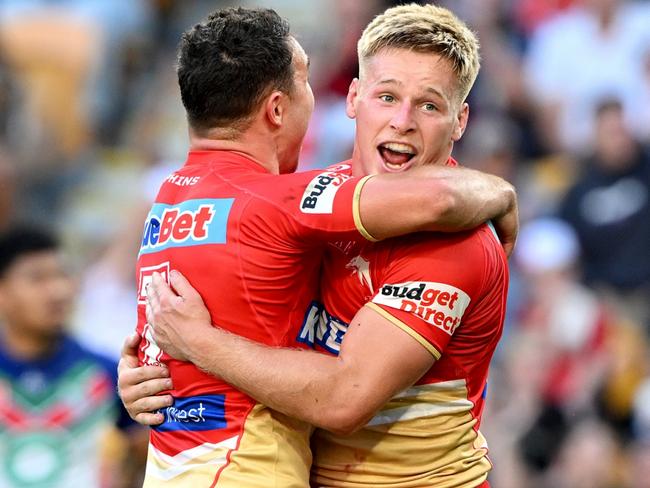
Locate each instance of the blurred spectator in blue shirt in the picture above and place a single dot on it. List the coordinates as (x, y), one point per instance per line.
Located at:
(58, 401)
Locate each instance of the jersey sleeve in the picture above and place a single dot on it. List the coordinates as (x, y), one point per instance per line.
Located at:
(427, 284)
(324, 204)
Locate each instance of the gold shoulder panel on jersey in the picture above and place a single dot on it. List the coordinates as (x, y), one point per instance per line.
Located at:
(395, 321)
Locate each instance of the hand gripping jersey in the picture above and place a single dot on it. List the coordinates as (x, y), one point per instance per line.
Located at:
(251, 243)
(448, 291)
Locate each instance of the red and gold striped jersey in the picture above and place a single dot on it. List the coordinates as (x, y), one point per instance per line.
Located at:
(448, 291)
(251, 243)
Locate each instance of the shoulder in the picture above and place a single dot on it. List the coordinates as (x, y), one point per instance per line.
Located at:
(456, 244)
(320, 199)
(467, 258)
(314, 188)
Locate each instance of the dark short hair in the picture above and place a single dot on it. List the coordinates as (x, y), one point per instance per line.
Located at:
(22, 240)
(229, 62)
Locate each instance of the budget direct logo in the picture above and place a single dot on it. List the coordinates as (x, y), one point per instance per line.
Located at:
(190, 223)
(439, 304)
(318, 197)
(195, 413)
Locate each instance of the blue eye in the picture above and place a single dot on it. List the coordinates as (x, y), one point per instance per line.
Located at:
(429, 107)
(387, 98)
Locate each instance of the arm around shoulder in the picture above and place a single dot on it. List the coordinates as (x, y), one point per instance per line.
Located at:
(437, 198)
(339, 394)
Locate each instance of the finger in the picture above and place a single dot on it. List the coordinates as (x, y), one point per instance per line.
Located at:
(163, 291)
(149, 418)
(148, 313)
(131, 341)
(136, 393)
(130, 347)
(126, 364)
(152, 297)
(150, 404)
(182, 286)
(135, 376)
(506, 239)
(509, 242)
(508, 247)
(507, 228)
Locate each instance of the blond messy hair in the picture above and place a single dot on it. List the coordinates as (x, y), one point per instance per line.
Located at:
(425, 29)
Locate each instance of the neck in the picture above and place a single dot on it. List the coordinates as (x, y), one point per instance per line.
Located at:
(28, 346)
(251, 143)
(357, 167)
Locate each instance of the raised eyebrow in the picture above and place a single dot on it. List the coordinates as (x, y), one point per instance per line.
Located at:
(390, 81)
(430, 89)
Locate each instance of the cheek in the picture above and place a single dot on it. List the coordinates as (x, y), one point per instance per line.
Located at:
(312, 101)
(366, 133)
(376, 118)
(438, 137)
(21, 306)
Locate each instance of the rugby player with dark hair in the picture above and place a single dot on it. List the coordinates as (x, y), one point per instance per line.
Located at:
(250, 236)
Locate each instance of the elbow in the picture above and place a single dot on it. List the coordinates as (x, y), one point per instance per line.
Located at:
(510, 195)
(505, 194)
(346, 420)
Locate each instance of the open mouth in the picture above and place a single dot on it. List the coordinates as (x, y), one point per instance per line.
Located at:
(395, 155)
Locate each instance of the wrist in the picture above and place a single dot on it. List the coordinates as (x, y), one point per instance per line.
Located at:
(199, 345)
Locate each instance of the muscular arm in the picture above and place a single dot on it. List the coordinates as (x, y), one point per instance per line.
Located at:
(439, 198)
(377, 360)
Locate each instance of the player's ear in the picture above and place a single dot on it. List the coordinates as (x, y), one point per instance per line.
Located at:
(351, 100)
(461, 122)
(274, 107)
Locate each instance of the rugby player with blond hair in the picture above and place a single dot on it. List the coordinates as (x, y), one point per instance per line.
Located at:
(398, 403)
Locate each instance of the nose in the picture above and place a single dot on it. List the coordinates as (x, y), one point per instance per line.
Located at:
(402, 121)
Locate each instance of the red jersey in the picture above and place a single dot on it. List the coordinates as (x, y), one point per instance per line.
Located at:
(448, 291)
(251, 243)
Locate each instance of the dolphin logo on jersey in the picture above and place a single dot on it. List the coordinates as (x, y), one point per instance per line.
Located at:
(362, 267)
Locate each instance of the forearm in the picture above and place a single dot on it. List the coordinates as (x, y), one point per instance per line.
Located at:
(303, 384)
(474, 198)
(433, 198)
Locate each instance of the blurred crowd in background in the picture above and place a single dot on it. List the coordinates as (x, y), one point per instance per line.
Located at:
(91, 122)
